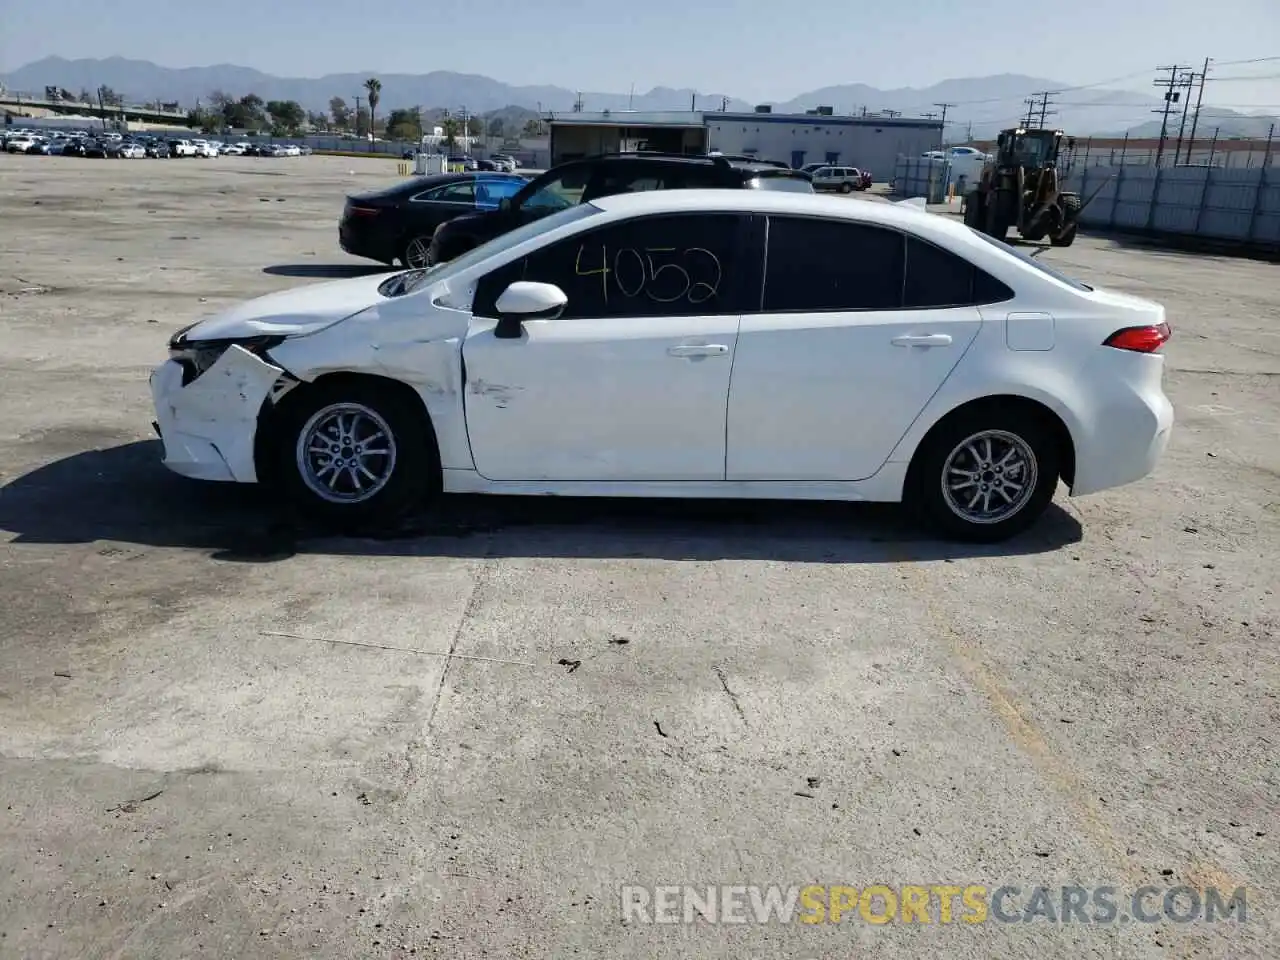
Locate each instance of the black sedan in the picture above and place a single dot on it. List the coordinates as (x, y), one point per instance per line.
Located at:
(396, 223)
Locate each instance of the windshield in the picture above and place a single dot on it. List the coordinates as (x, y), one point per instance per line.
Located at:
(505, 241)
(1034, 261)
(783, 184)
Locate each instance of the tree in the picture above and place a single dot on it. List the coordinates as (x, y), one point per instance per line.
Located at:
(532, 129)
(85, 95)
(495, 127)
(317, 121)
(404, 124)
(451, 127)
(109, 97)
(373, 90)
(340, 112)
(286, 116)
(245, 113)
(475, 127)
(362, 121)
(220, 100)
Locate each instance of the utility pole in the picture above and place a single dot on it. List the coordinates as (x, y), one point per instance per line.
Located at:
(1195, 119)
(1171, 96)
(357, 115)
(1188, 79)
(1031, 105)
(944, 107)
(1044, 106)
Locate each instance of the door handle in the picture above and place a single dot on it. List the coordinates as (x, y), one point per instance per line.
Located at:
(698, 350)
(923, 340)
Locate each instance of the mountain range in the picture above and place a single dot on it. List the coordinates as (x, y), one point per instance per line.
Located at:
(977, 106)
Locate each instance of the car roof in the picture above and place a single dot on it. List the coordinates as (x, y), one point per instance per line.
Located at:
(901, 216)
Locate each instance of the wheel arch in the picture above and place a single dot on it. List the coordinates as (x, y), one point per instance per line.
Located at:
(1060, 432)
(267, 436)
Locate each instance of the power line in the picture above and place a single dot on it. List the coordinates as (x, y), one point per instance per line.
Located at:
(1236, 63)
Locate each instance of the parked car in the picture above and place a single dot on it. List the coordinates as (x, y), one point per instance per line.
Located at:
(73, 148)
(234, 149)
(39, 147)
(877, 353)
(841, 179)
(158, 149)
(97, 148)
(397, 223)
(462, 161)
(182, 148)
(592, 177)
(18, 144)
(305, 150)
(504, 163)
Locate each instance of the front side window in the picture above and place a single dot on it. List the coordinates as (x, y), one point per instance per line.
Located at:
(816, 265)
(489, 193)
(560, 192)
(675, 265)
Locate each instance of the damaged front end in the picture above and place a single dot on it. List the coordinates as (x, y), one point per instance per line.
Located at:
(208, 397)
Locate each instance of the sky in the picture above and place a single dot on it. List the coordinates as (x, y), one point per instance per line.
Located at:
(752, 49)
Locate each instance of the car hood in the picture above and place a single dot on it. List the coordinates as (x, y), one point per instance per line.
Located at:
(292, 313)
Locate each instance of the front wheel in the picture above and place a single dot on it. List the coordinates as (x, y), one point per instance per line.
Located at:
(846, 188)
(354, 452)
(986, 475)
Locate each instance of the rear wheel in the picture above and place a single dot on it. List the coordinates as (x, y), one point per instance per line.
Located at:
(986, 474)
(417, 253)
(1065, 239)
(354, 451)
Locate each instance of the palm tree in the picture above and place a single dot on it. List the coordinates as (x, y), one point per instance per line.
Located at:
(373, 86)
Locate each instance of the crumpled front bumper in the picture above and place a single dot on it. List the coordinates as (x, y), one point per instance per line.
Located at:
(208, 427)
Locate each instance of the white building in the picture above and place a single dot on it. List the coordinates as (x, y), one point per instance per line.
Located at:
(869, 142)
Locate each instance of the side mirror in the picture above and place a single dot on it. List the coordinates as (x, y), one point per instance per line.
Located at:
(524, 300)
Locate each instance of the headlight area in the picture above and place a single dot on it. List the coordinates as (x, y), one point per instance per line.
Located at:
(196, 357)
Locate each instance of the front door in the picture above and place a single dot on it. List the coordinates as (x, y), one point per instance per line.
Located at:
(630, 383)
(844, 353)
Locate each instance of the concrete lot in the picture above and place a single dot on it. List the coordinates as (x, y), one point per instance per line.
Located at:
(196, 761)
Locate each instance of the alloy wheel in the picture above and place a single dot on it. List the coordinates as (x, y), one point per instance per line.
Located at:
(989, 476)
(417, 254)
(346, 453)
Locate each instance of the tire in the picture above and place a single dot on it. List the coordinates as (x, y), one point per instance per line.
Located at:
(396, 481)
(846, 188)
(410, 255)
(1065, 239)
(1014, 434)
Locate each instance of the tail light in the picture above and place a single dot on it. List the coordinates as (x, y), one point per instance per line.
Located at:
(1146, 339)
(354, 210)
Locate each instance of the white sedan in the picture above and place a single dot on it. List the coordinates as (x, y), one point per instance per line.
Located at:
(685, 343)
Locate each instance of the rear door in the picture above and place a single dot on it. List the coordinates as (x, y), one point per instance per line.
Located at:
(858, 327)
(430, 208)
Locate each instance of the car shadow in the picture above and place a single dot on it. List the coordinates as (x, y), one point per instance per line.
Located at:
(123, 494)
(326, 271)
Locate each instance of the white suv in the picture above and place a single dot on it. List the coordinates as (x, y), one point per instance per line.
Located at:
(182, 148)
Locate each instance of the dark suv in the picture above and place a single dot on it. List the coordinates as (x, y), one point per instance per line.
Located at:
(583, 180)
